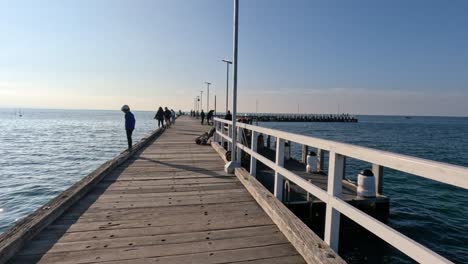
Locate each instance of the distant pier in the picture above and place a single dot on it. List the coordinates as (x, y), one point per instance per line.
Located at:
(340, 118)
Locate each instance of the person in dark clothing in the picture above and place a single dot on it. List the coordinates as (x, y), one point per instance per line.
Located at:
(167, 116)
(160, 117)
(209, 116)
(129, 124)
(228, 116)
(202, 115)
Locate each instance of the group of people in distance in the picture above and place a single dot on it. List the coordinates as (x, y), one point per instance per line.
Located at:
(165, 118)
(209, 116)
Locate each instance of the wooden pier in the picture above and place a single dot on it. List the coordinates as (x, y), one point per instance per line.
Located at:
(167, 201)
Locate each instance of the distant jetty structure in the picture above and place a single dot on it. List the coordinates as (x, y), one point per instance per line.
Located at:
(305, 118)
(272, 117)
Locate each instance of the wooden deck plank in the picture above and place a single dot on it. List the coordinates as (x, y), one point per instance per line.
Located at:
(220, 256)
(136, 252)
(166, 239)
(82, 213)
(171, 203)
(207, 225)
(141, 221)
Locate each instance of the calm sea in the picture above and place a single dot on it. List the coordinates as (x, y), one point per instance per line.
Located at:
(46, 151)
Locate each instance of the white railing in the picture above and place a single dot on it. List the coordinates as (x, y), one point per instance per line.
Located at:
(437, 171)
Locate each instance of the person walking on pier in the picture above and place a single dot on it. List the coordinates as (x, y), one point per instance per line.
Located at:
(173, 116)
(167, 116)
(160, 117)
(202, 115)
(209, 116)
(129, 124)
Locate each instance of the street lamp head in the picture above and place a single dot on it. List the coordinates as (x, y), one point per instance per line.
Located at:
(227, 61)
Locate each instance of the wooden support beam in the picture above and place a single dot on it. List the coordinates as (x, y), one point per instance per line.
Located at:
(320, 159)
(305, 151)
(379, 178)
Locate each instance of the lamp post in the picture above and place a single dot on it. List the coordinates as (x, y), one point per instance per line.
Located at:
(201, 100)
(229, 168)
(207, 96)
(227, 83)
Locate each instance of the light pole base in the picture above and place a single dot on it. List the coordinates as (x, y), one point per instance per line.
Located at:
(231, 166)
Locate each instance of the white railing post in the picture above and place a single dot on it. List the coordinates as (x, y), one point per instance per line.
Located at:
(253, 160)
(278, 189)
(230, 136)
(239, 139)
(219, 137)
(215, 135)
(378, 174)
(334, 187)
(221, 130)
(320, 159)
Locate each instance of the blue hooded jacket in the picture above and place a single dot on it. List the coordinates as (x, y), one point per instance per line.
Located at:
(129, 121)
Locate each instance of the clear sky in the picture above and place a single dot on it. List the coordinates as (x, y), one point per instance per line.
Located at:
(362, 57)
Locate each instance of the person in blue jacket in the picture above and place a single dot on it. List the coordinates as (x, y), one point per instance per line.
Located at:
(129, 124)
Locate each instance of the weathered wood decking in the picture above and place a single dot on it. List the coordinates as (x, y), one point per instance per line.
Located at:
(171, 203)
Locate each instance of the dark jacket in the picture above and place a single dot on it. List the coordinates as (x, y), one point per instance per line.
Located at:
(159, 115)
(168, 113)
(129, 121)
(202, 114)
(228, 116)
(210, 114)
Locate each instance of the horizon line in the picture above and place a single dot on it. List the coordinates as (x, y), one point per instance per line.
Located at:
(139, 110)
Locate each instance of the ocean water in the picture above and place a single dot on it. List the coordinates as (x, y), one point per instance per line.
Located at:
(431, 213)
(46, 151)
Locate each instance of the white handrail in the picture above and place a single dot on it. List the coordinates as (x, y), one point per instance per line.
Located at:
(437, 171)
(433, 170)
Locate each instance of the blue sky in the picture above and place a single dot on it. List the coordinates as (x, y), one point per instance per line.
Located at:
(363, 57)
